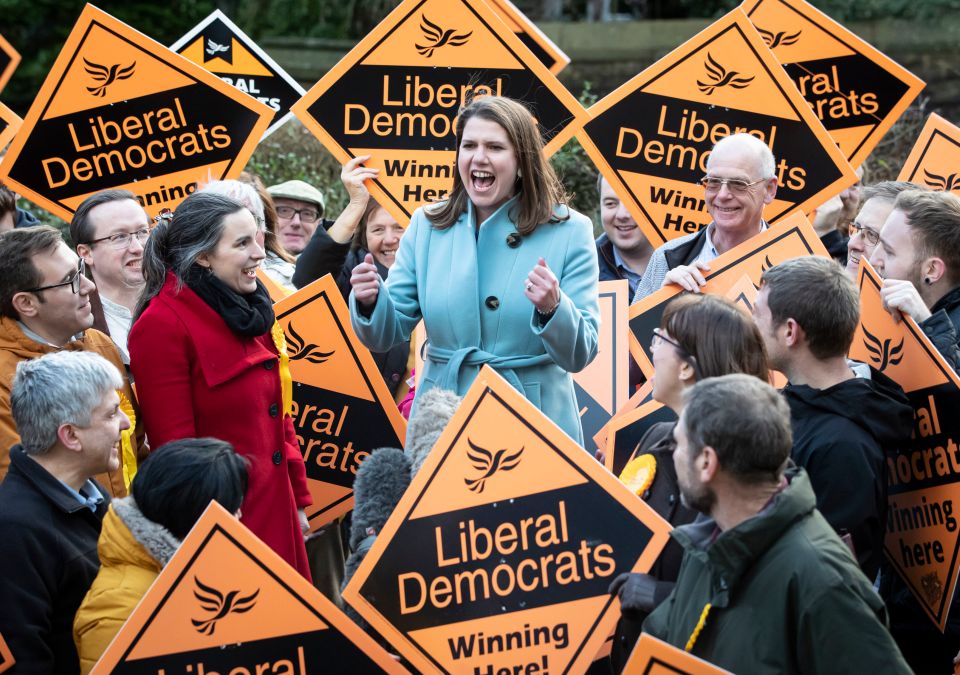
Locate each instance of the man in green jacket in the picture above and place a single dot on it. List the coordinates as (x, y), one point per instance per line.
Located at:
(766, 585)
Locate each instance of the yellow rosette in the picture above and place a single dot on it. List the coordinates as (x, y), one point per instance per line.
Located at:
(127, 453)
(639, 473)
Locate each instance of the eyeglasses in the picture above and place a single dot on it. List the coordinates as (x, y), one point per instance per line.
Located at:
(871, 235)
(735, 185)
(121, 240)
(306, 215)
(73, 282)
(659, 338)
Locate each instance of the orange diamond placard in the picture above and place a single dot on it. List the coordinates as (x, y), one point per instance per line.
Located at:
(120, 110)
(792, 238)
(923, 479)
(656, 657)
(652, 136)
(602, 387)
(854, 89)
(227, 604)
(342, 408)
(9, 125)
(218, 45)
(517, 532)
(397, 94)
(9, 59)
(536, 41)
(934, 160)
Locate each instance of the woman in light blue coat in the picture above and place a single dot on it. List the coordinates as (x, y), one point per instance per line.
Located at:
(502, 273)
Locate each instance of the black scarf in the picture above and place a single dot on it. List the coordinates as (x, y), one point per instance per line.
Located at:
(249, 315)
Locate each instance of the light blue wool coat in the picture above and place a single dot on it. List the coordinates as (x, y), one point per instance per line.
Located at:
(447, 276)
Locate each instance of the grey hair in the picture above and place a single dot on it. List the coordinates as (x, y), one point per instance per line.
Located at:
(762, 153)
(176, 244)
(244, 193)
(56, 389)
(745, 421)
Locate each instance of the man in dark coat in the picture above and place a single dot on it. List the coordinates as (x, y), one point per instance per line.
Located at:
(844, 425)
(919, 260)
(68, 415)
(766, 586)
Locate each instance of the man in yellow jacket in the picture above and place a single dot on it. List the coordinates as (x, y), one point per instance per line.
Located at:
(44, 308)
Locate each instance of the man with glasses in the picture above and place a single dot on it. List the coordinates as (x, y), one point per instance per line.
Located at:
(741, 180)
(44, 308)
(865, 230)
(110, 229)
(299, 211)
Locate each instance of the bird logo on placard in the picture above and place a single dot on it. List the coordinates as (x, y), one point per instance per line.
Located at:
(932, 587)
(943, 183)
(298, 348)
(719, 77)
(439, 37)
(214, 48)
(221, 605)
(106, 76)
(781, 39)
(489, 463)
(764, 266)
(881, 353)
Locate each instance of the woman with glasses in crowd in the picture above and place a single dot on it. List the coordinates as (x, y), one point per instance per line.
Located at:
(209, 360)
(700, 336)
(362, 227)
(503, 273)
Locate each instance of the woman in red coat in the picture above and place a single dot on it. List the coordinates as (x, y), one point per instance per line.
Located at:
(205, 360)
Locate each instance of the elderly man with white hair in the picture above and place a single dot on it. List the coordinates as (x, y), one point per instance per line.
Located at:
(741, 180)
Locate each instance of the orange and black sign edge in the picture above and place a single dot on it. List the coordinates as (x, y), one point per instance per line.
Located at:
(14, 57)
(6, 656)
(325, 289)
(400, 14)
(261, 55)
(651, 656)
(636, 398)
(489, 383)
(532, 32)
(935, 128)
(734, 20)
(10, 124)
(859, 46)
(867, 275)
(719, 265)
(214, 521)
(88, 17)
(619, 423)
(617, 293)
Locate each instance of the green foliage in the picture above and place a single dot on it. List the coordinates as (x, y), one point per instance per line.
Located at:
(577, 172)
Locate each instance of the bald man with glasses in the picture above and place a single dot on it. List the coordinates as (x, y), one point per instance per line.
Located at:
(740, 181)
(45, 307)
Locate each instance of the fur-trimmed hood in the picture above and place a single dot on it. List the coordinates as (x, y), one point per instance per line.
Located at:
(155, 539)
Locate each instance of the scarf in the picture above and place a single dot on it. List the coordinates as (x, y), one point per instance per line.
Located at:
(250, 314)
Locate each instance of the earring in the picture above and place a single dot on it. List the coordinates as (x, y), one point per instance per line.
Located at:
(927, 281)
(519, 173)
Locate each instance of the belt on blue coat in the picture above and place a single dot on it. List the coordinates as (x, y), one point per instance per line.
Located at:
(474, 356)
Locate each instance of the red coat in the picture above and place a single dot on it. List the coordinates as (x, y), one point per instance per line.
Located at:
(195, 377)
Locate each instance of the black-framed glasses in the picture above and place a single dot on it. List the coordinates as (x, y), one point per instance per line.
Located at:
(121, 240)
(307, 215)
(73, 282)
(713, 184)
(659, 338)
(871, 236)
